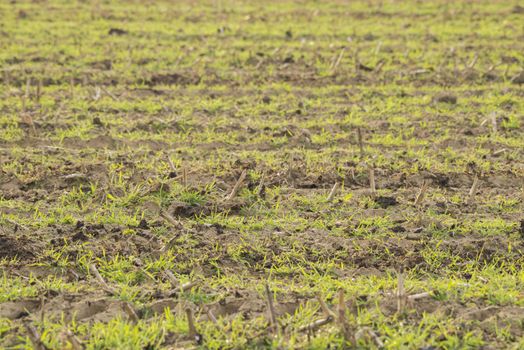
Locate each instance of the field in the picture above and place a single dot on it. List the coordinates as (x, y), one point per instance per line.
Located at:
(261, 174)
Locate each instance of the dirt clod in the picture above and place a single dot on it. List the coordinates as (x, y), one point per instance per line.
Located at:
(445, 98)
(15, 248)
(117, 31)
(385, 202)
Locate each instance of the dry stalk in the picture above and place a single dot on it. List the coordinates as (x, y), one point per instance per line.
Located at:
(20, 275)
(26, 117)
(356, 60)
(71, 87)
(401, 292)
(171, 277)
(362, 332)
(372, 185)
(333, 60)
(333, 192)
(482, 279)
(329, 316)
(16, 224)
(473, 190)
(360, 142)
(108, 93)
(27, 89)
(419, 296)
(188, 285)
(237, 185)
(377, 48)
(341, 307)
(146, 273)
(494, 122)
(34, 336)
(170, 219)
(42, 311)
(379, 66)
(337, 62)
(210, 315)
(316, 324)
(325, 309)
(171, 165)
(68, 336)
(352, 172)
(181, 288)
(420, 196)
(130, 311)
(184, 177)
(473, 61)
(259, 63)
(32, 124)
(191, 325)
(271, 308)
(342, 321)
(101, 280)
(73, 273)
(98, 93)
(73, 176)
(24, 106)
